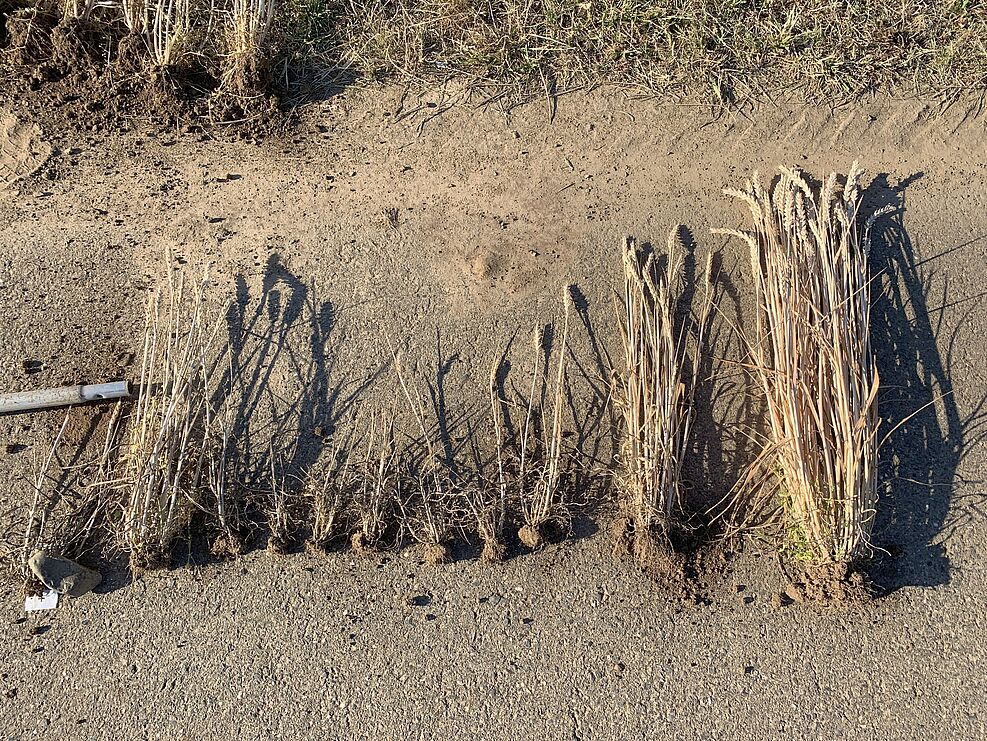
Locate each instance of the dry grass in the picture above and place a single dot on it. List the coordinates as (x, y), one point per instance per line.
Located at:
(169, 461)
(811, 358)
(722, 51)
(654, 391)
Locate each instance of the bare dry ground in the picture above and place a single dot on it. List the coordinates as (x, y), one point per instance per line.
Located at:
(392, 221)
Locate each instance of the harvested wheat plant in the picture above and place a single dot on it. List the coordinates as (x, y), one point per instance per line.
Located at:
(545, 465)
(811, 358)
(653, 389)
(173, 429)
(431, 488)
(379, 485)
(330, 487)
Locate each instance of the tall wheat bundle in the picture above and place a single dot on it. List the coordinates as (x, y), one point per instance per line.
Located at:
(811, 357)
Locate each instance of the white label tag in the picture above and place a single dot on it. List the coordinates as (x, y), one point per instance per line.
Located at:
(47, 601)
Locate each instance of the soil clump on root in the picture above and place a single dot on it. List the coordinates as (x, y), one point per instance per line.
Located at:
(361, 545)
(835, 584)
(536, 537)
(227, 546)
(493, 551)
(436, 554)
(675, 566)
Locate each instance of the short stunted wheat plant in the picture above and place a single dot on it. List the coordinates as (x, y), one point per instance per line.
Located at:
(330, 487)
(811, 357)
(653, 389)
(379, 484)
(544, 463)
(487, 500)
(431, 481)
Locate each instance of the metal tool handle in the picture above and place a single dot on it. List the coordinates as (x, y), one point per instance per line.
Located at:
(30, 401)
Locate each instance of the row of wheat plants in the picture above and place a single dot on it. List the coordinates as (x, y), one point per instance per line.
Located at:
(389, 477)
(810, 359)
(386, 486)
(379, 484)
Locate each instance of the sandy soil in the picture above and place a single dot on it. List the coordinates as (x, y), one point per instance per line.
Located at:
(370, 222)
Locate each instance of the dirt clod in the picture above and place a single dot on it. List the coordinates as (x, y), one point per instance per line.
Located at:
(622, 531)
(226, 546)
(436, 554)
(276, 546)
(530, 537)
(360, 544)
(777, 600)
(493, 552)
(837, 584)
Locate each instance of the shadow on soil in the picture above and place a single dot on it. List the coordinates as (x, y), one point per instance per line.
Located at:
(719, 452)
(926, 436)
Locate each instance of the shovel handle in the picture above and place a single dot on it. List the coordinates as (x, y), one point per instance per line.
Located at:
(31, 401)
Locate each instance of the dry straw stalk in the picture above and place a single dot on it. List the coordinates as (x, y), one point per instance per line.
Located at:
(168, 463)
(432, 479)
(544, 463)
